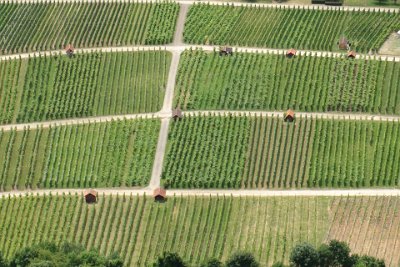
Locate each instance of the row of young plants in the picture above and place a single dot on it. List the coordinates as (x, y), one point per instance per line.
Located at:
(266, 152)
(140, 229)
(365, 222)
(263, 81)
(26, 27)
(118, 153)
(280, 27)
(88, 84)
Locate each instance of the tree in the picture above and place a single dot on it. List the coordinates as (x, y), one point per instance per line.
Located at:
(3, 262)
(340, 254)
(242, 259)
(169, 259)
(367, 261)
(49, 255)
(325, 256)
(304, 255)
(212, 263)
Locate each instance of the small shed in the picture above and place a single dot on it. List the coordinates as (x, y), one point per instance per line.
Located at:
(289, 115)
(351, 54)
(343, 44)
(291, 53)
(69, 49)
(160, 194)
(225, 51)
(177, 114)
(90, 196)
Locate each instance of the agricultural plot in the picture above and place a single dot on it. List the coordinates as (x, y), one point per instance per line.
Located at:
(89, 84)
(259, 81)
(140, 229)
(265, 152)
(112, 154)
(285, 28)
(45, 26)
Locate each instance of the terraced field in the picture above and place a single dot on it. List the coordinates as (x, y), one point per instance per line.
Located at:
(118, 153)
(299, 28)
(89, 84)
(265, 152)
(140, 229)
(45, 26)
(259, 81)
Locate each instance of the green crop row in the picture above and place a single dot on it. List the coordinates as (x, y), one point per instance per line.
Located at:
(140, 229)
(112, 154)
(266, 152)
(44, 26)
(278, 27)
(89, 84)
(258, 81)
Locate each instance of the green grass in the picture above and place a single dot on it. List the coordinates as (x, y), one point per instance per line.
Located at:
(45, 26)
(285, 28)
(112, 154)
(259, 81)
(89, 84)
(140, 229)
(265, 152)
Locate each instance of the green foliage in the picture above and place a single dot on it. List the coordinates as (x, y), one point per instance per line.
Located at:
(304, 255)
(262, 81)
(242, 259)
(278, 264)
(169, 259)
(340, 254)
(89, 84)
(65, 255)
(266, 152)
(45, 26)
(368, 261)
(3, 261)
(280, 28)
(112, 154)
(212, 263)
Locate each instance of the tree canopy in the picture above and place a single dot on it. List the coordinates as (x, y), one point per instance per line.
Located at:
(64, 255)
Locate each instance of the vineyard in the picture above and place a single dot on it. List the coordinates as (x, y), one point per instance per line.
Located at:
(259, 81)
(265, 152)
(140, 229)
(118, 153)
(278, 27)
(89, 84)
(44, 26)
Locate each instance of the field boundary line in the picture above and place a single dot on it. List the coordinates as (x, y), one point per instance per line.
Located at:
(233, 3)
(280, 114)
(166, 114)
(212, 192)
(78, 121)
(182, 47)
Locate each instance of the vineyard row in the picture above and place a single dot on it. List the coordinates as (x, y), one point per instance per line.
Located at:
(263, 81)
(266, 152)
(88, 84)
(140, 229)
(112, 154)
(48, 26)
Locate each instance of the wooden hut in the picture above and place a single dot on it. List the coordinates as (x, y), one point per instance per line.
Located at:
(90, 196)
(225, 51)
(69, 49)
(291, 53)
(289, 115)
(351, 54)
(160, 194)
(344, 44)
(177, 114)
